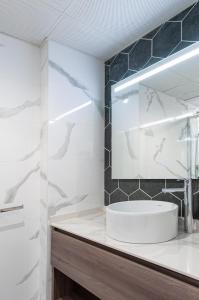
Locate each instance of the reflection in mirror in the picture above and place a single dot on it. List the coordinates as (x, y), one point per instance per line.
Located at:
(155, 120)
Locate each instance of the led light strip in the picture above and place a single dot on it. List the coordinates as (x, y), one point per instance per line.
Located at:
(172, 119)
(159, 69)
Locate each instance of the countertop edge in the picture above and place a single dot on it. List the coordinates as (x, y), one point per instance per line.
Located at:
(57, 224)
(135, 258)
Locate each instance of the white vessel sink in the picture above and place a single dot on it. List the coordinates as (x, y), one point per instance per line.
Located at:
(142, 221)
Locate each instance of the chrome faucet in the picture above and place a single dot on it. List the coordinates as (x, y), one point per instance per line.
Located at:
(188, 213)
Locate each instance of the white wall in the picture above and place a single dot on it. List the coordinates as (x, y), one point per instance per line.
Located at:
(19, 169)
(75, 133)
(73, 138)
(45, 273)
(51, 154)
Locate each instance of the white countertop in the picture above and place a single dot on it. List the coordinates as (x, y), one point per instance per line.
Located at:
(180, 254)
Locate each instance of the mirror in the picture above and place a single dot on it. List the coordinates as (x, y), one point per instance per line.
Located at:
(155, 120)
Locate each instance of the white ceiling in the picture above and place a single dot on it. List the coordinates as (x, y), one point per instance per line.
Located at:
(97, 27)
(180, 81)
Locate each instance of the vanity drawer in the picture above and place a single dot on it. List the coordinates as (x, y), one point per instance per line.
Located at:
(112, 277)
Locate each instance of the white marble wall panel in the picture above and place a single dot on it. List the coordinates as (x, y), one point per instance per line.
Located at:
(51, 154)
(72, 140)
(75, 143)
(45, 271)
(19, 169)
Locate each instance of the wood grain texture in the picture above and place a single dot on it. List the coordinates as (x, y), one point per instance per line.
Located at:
(130, 257)
(64, 288)
(111, 277)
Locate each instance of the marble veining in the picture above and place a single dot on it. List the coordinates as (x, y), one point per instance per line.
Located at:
(35, 296)
(20, 123)
(12, 226)
(35, 235)
(31, 153)
(37, 147)
(146, 122)
(74, 82)
(53, 185)
(179, 254)
(29, 273)
(183, 132)
(71, 141)
(12, 192)
(169, 170)
(56, 207)
(129, 145)
(160, 148)
(10, 112)
(43, 203)
(148, 132)
(70, 78)
(155, 158)
(61, 152)
(182, 165)
(152, 95)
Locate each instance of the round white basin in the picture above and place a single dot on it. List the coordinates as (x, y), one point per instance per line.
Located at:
(142, 221)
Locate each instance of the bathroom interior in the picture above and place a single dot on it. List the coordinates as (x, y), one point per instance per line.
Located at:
(99, 154)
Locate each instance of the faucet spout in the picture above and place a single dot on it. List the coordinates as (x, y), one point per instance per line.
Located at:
(172, 190)
(188, 213)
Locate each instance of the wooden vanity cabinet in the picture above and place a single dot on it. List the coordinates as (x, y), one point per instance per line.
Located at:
(84, 270)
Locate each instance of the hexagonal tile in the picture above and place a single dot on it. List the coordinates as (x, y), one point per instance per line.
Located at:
(108, 93)
(129, 186)
(196, 206)
(107, 115)
(170, 198)
(174, 183)
(195, 186)
(153, 186)
(139, 195)
(183, 14)
(181, 46)
(110, 60)
(119, 67)
(128, 73)
(166, 39)
(179, 195)
(152, 33)
(152, 61)
(107, 69)
(106, 198)
(110, 184)
(107, 159)
(108, 137)
(140, 54)
(118, 196)
(129, 48)
(159, 197)
(190, 25)
(110, 158)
